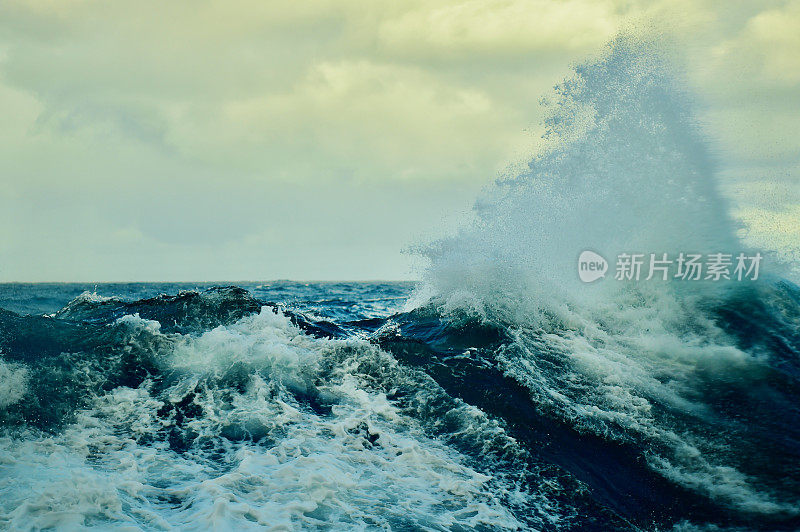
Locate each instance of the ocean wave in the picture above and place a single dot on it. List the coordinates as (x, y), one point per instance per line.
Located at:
(676, 371)
(252, 424)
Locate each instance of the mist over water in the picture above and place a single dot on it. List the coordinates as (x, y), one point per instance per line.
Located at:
(624, 169)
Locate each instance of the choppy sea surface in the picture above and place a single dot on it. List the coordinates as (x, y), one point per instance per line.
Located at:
(332, 406)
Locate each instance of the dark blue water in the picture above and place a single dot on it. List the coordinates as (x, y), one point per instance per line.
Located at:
(331, 406)
(373, 299)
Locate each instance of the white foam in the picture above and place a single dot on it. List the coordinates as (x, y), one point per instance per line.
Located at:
(365, 465)
(13, 383)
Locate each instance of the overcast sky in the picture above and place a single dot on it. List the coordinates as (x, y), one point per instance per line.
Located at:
(235, 140)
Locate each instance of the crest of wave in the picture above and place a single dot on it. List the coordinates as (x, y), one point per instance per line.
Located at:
(623, 169)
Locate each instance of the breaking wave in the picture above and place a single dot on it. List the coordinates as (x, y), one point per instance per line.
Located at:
(689, 375)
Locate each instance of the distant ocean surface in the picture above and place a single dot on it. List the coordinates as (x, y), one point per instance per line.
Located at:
(374, 299)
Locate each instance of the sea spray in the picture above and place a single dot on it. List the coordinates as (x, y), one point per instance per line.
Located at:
(624, 169)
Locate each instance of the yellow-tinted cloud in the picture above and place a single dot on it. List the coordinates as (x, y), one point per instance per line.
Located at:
(104, 101)
(502, 26)
(775, 36)
(777, 231)
(412, 121)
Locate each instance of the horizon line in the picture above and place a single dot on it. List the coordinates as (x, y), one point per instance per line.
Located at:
(225, 281)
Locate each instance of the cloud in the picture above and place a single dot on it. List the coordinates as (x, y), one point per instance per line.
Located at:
(773, 36)
(145, 133)
(237, 88)
(506, 27)
(777, 231)
(414, 123)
